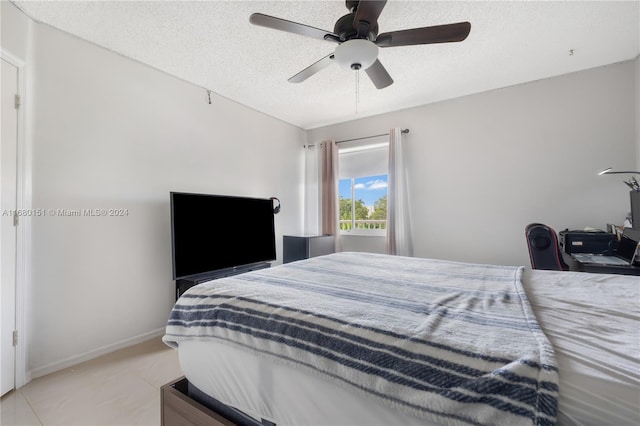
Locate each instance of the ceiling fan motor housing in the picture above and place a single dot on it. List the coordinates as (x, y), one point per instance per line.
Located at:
(346, 31)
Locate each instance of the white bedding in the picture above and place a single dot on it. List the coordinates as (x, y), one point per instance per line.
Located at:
(592, 320)
(449, 342)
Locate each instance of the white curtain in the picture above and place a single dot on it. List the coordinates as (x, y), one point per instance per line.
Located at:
(312, 218)
(398, 219)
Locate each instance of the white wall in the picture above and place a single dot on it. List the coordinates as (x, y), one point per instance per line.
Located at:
(15, 30)
(108, 132)
(637, 91)
(482, 167)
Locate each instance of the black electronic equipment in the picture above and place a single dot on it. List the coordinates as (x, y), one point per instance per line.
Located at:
(635, 209)
(214, 233)
(298, 247)
(597, 242)
(623, 255)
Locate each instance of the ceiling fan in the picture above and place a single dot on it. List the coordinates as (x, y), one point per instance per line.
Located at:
(357, 36)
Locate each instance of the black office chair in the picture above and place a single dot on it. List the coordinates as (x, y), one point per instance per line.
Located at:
(544, 250)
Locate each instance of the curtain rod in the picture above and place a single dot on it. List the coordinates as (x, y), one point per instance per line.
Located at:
(368, 137)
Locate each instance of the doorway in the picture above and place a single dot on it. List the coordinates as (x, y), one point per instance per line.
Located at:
(10, 103)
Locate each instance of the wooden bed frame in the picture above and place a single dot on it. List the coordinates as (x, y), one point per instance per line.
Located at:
(178, 409)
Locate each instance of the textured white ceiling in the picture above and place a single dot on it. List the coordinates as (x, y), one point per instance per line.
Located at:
(213, 45)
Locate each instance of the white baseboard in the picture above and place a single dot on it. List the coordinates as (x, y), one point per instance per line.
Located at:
(77, 359)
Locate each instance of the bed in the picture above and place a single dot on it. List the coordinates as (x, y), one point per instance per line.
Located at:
(370, 339)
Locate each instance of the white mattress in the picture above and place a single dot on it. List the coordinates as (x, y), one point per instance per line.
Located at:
(593, 321)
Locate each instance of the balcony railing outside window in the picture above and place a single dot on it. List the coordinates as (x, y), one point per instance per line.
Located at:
(348, 225)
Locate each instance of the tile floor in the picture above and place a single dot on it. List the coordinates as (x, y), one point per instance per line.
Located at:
(121, 388)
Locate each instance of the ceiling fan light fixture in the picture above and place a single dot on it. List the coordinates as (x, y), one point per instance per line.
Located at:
(356, 54)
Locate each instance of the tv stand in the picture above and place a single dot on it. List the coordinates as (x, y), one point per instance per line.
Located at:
(184, 284)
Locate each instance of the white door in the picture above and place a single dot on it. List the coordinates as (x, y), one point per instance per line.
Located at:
(8, 201)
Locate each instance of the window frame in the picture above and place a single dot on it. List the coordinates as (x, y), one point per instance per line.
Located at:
(360, 231)
(352, 147)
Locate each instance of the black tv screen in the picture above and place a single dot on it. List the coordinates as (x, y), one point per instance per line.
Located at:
(635, 209)
(214, 232)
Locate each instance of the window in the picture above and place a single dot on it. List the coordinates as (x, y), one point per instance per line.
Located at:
(362, 188)
(363, 204)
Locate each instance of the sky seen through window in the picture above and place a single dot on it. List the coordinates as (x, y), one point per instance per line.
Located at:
(368, 188)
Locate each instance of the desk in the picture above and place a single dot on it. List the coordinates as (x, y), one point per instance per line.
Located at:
(574, 265)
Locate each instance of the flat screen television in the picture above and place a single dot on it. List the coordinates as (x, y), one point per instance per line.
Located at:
(210, 233)
(635, 209)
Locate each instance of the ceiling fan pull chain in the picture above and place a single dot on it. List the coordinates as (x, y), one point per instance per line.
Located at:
(357, 89)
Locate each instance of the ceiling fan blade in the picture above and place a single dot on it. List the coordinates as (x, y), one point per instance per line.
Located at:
(367, 13)
(291, 27)
(312, 69)
(427, 35)
(379, 75)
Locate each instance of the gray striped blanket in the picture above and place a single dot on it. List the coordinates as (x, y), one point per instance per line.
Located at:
(451, 342)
